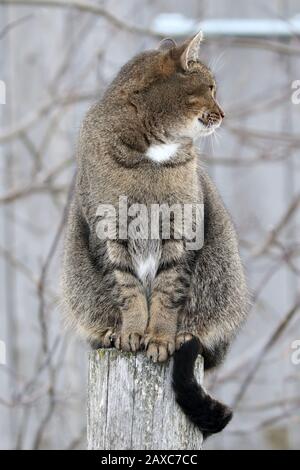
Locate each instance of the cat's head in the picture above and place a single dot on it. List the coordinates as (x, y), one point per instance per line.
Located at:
(171, 91)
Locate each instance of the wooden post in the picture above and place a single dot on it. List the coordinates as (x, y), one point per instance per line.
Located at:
(131, 405)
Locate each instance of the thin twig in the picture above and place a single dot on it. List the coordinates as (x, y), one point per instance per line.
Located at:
(263, 351)
(88, 7)
(14, 24)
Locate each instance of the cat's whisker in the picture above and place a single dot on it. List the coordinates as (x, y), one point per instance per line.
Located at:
(212, 143)
(216, 64)
(215, 142)
(221, 133)
(217, 136)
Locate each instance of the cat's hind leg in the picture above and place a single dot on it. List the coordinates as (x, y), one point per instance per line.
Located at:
(87, 289)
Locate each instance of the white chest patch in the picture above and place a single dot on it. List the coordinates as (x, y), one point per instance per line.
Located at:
(162, 153)
(147, 268)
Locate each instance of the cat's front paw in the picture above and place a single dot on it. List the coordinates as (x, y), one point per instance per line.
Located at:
(128, 341)
(159, 348)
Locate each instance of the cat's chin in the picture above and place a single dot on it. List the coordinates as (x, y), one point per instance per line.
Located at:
(207, 132)
(197, 129)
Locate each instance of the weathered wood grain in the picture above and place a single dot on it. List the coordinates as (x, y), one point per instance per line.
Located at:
(131, 405)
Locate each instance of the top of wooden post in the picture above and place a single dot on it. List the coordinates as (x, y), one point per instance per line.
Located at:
(131, 404)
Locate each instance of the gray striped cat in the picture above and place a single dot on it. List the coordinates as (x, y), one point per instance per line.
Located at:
(155, 294)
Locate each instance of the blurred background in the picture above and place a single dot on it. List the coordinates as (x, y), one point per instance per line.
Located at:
(55, 60)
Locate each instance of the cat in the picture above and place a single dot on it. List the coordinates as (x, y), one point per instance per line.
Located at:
(155, 294)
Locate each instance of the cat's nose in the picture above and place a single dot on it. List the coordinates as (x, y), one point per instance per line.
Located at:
(222, 113)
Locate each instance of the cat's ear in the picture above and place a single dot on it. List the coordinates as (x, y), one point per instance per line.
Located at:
(190, 54)
(166, 44)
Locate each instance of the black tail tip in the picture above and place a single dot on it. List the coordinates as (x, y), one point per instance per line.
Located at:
(218, 416)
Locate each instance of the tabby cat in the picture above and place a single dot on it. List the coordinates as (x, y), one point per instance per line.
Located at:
(137, 293)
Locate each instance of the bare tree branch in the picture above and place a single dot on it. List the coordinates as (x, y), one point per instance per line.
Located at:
(87, 7)
(266, 348)
(282, 224)
(274, 420)
(14, 24)
(35, 116)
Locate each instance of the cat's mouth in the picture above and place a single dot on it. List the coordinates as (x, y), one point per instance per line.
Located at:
(208, 128)
(199, 127)
(210, 123)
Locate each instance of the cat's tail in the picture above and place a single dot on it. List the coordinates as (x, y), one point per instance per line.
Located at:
(209, 415)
